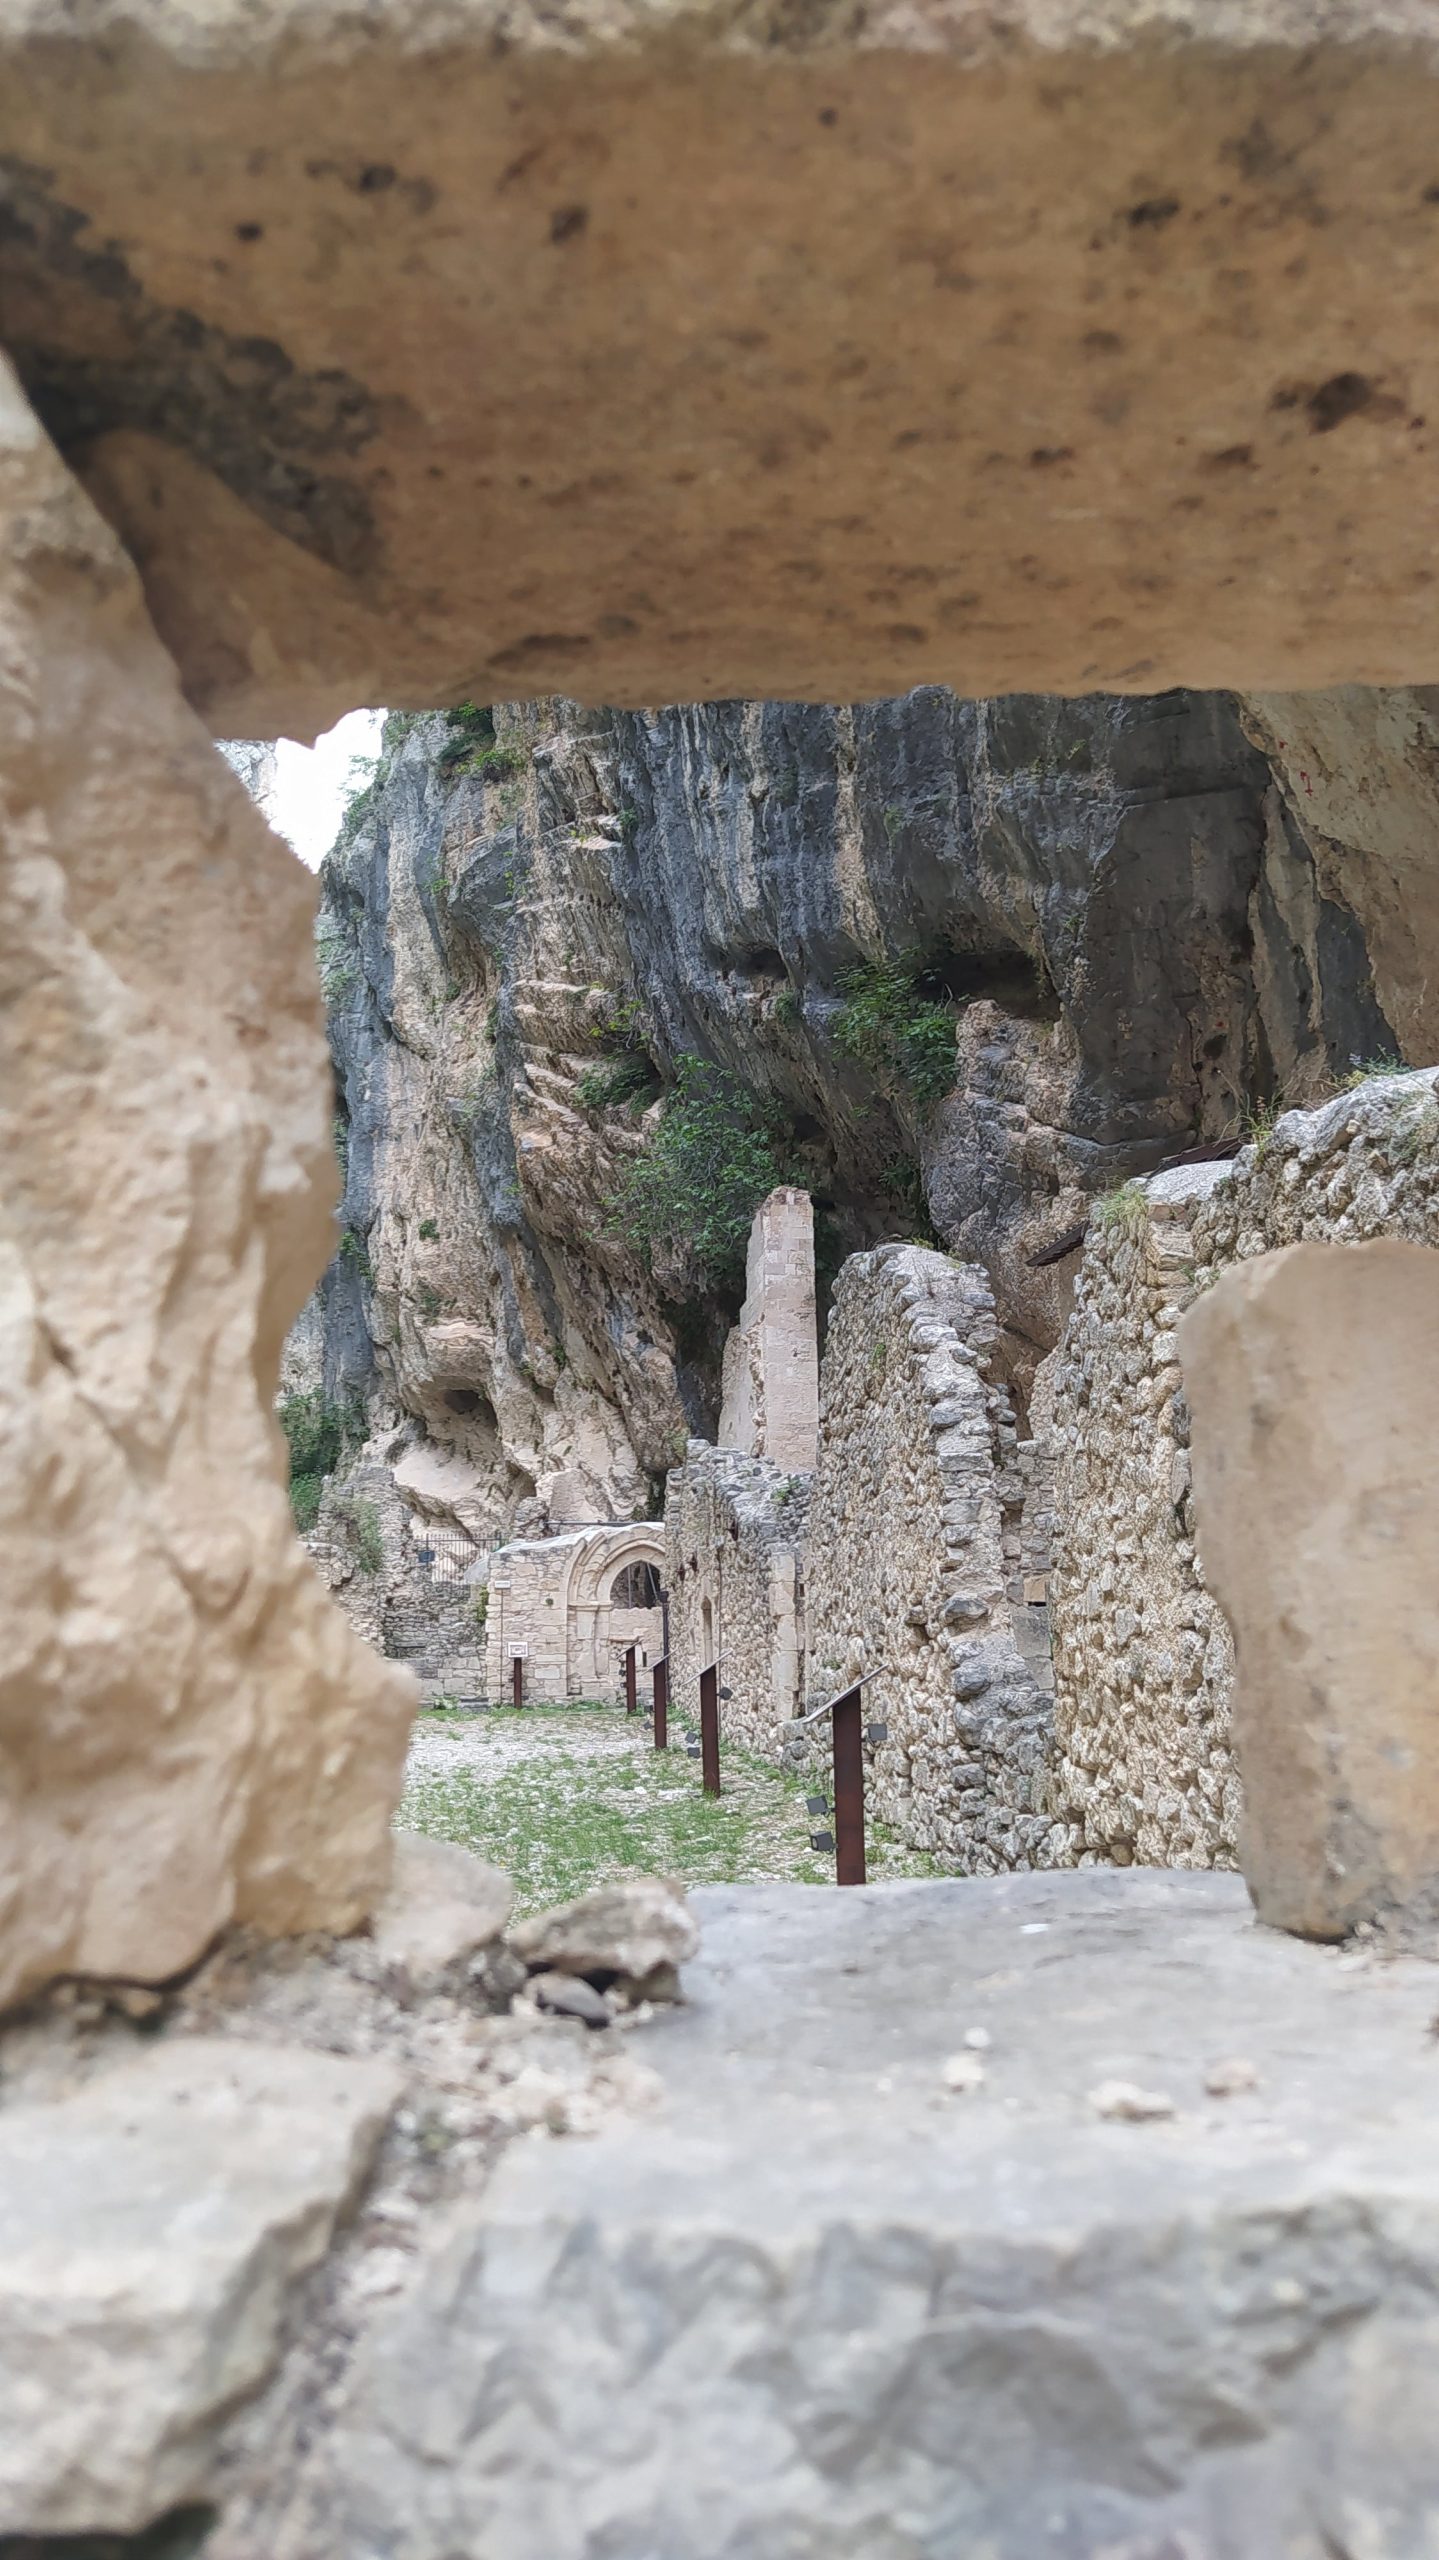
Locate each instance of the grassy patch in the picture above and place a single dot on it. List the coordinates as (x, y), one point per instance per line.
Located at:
(1124, 1212)
(563, 1797)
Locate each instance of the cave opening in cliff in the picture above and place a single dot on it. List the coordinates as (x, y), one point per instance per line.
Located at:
(1009, 977)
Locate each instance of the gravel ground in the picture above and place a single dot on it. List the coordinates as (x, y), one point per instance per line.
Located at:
(561, 1797)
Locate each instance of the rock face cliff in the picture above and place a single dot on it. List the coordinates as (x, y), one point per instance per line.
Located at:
(955, 966)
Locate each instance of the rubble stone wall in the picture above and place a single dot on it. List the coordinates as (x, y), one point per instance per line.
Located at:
(1142, 1657)
(413, 1591)
(735, 1529)
(916, 1567)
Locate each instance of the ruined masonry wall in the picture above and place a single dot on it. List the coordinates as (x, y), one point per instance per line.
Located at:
(1142, 1658)
(734, 1539)
(428, 1616)
(917, 1557)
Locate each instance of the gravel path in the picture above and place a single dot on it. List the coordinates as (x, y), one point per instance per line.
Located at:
(562, 1797)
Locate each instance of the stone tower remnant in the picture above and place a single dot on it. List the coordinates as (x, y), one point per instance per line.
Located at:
(771, 1364)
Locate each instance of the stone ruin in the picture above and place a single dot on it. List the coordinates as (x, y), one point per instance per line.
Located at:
(1035, 1625)
(939, 416)
(459, 1615)
(770, 1403)
(568, 1609)
(911, 1552)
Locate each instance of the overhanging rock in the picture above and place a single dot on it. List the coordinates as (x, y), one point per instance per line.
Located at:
(825, 2302)
(647, 353)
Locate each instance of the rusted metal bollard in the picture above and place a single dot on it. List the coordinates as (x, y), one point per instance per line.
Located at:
(709, 1730)
(848, 1745)
(662, 1703)
(632, 1703)
(847, 1739)
(517, 1679)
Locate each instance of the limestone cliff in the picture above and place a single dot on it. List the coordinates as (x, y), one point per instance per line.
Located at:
(970, 962)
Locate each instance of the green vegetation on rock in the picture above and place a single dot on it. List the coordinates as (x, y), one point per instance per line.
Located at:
(1124, 1211)
(888, 1024)
(693, 1193)
(320, 1435)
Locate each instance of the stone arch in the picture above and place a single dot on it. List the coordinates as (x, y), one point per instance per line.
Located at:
(636, 1586)
(607, 1553)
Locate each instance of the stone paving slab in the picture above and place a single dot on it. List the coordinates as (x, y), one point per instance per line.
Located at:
(821, 2302)
(151, 2225)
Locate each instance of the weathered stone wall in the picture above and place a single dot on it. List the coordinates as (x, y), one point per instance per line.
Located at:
(414, 1592)
(1143, 1660)
(916, 1548)
(735, 1531)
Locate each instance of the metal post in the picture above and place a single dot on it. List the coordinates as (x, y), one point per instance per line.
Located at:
(662, 1703)
(517, 1679)
(709, 1730)
(632, 1704)
(848, 1741)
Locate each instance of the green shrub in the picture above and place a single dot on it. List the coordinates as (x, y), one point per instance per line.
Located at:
(429, 1230)
(481, 1605)
(470, 745)
(716, 1153)
(904, 1037)
(1258, 1122)
(305, 1492)
(315, 1430)
(469, 728)
(352, 1249)
(364, 1520)
(494, 764)
(319, 1434)
(1362, 1070)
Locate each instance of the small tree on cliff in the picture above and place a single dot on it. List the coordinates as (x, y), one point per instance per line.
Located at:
(691, 1197)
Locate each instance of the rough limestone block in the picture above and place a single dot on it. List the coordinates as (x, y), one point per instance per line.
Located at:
(1313, 1378)
(819, 2301)
(150, 2229)
(844, 350)
(189, 1733)
(640, 1929)
(440, 1906)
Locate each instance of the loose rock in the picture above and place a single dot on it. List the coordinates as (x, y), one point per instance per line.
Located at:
(570, 1996)
(631, 1937)
(442, 1905)
(1125, 2104)
(1230, 2079)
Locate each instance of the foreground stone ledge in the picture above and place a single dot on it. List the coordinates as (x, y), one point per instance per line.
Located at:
(150, 2229)
(835, 2296)
(656, 352)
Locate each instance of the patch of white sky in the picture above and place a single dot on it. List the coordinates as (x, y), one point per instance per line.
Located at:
(312, 784)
